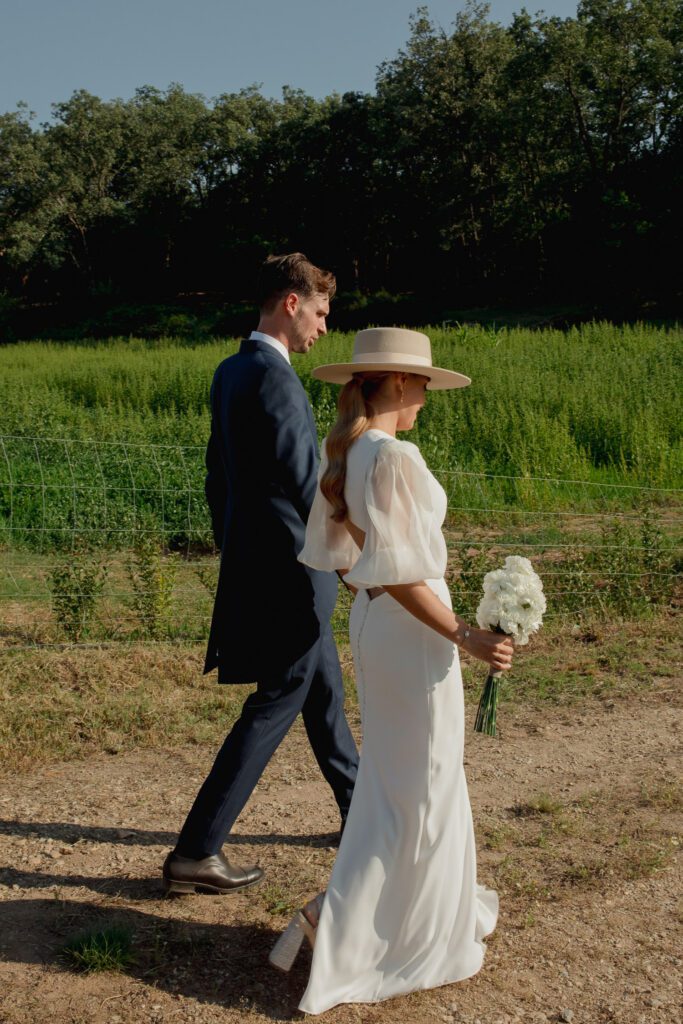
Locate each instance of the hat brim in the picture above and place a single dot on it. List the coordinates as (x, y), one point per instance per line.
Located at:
(439, 379)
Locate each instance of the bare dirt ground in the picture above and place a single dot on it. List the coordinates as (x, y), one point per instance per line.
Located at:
(578, 817)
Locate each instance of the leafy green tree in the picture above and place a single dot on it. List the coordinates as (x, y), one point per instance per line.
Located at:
(23, 227)
(536, 161)
(442, 104)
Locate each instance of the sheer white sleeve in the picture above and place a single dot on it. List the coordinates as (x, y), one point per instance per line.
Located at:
(328, 545)
(404, 542)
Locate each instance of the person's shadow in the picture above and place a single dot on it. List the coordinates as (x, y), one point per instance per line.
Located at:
(221, 964)
(66, 832)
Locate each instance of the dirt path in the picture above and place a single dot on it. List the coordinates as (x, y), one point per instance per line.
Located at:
(578, 820)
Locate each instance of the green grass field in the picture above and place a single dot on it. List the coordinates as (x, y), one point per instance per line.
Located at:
(598, 399)
(578, 421)
(566, 448)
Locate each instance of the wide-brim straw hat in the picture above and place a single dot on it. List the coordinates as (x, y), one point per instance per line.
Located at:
(396, 350)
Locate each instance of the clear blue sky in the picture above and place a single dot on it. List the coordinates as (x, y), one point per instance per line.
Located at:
(49, 48)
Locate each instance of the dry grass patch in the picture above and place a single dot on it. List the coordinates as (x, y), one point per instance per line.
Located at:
(60, 705)
(665, 795)
(65, 704)
(602, 838)
(537, 806)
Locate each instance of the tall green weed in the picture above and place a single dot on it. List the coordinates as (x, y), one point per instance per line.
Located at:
(551, 421)
(153, 575)
(76, 584)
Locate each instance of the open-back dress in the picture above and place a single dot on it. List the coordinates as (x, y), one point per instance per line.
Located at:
(403, 910)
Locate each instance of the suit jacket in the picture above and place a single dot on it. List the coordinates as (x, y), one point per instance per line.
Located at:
(262, 462)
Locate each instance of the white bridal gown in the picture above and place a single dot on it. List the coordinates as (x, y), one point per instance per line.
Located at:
(403, 910)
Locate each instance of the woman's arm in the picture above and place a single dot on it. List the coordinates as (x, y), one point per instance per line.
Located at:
(422, 602)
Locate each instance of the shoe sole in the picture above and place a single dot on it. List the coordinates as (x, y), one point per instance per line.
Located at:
(188, 888)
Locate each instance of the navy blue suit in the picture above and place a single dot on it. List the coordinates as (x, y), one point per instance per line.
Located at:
(271, 618)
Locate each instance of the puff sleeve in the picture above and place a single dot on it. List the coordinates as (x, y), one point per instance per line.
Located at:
(404, 542)
(328, 545)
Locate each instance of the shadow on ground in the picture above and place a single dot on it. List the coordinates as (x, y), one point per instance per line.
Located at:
(222, 965)
(68, 832)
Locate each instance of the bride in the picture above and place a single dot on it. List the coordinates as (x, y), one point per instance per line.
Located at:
(402, 910)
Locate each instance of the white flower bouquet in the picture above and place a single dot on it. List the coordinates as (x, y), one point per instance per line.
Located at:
(513, 603)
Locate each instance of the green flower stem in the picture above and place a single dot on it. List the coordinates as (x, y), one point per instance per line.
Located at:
(488, 705)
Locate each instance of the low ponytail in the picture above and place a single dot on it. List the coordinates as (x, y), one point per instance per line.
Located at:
(353, 412)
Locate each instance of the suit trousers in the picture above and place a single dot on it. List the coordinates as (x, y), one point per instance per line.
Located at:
(312, 686)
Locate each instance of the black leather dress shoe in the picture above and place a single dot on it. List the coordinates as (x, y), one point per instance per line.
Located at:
(214, 875)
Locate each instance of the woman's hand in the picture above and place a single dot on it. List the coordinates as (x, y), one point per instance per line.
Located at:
(493, 648)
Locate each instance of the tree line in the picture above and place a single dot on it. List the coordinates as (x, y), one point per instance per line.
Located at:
(529, 163)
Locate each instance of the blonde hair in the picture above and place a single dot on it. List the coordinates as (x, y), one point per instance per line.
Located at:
(354, 409)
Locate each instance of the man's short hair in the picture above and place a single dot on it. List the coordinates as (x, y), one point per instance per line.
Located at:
(293, 272)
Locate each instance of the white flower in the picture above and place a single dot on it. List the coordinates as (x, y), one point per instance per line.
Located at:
(513, 600)
(515, 563)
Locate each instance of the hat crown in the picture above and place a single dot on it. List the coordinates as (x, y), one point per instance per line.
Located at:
(391, 350)
(396, 342)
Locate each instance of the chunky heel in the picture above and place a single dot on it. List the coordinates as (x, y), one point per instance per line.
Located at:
(285, 951)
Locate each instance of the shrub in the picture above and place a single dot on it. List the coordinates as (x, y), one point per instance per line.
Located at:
(153, 577)
(75, 585)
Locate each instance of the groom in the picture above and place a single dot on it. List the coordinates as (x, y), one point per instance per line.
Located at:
(271, 618)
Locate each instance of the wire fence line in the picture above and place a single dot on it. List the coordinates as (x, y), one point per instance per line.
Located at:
(67, 503)
(567, 481)
(64, 492)
(200, 449)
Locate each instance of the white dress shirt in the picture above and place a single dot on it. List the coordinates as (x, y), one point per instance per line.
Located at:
(273, 342)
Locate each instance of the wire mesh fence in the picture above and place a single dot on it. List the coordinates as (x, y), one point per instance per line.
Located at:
(60, 493)
(110, 542)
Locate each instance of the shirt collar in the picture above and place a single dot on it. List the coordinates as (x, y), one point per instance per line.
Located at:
(273, 342)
